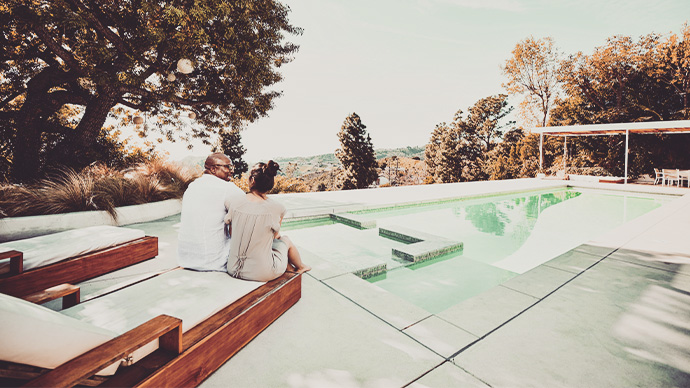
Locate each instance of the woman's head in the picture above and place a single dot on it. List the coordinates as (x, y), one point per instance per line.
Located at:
(262, 176)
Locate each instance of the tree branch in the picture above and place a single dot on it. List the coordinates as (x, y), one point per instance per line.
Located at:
(6, 115)
(63, 97)
(57, 49)
(11, 97)
(184, 101)
(53, 127)
(130, 104)
(93, 20)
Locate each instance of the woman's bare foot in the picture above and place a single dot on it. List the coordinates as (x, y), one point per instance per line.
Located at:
(302, 269)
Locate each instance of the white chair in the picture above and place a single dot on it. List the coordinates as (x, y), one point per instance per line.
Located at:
(658, 176)
(684, 175)
(671, 176)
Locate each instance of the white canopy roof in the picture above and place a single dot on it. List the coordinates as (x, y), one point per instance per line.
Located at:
(677, 126)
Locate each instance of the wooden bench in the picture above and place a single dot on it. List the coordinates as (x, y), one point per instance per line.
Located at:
(182, 359)
(18, 282)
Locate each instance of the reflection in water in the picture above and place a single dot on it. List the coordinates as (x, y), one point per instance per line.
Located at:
(523, 212)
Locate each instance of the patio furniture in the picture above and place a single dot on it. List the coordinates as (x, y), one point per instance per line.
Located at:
(35, 264)
(658, 176)
(671, 176)
(684, 175)
(200, 319)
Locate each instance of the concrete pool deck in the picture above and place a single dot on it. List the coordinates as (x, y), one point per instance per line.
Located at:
(612, 312)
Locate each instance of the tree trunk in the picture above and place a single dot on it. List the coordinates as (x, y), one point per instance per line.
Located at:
(90, 126)
(26, 161)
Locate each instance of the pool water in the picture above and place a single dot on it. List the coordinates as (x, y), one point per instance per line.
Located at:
(503, 236)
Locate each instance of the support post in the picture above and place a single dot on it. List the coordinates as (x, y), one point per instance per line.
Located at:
(565, 154)
(627, 136)
(541, 152)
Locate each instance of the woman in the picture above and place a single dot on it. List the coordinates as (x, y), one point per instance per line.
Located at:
(257, 250)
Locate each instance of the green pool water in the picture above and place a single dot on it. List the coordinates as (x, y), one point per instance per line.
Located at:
(503, 236)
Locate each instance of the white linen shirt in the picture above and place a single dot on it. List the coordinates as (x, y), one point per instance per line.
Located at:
(202, 243)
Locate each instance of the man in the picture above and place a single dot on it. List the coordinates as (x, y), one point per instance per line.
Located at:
(203, 244)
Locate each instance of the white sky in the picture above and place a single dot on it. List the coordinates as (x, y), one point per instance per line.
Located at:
(405, 65)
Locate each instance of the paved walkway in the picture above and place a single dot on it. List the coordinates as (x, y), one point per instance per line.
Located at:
(611, 313)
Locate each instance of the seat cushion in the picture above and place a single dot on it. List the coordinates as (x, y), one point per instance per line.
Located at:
(51, 248)
(189, 295)
(34, 335)
(192, 296)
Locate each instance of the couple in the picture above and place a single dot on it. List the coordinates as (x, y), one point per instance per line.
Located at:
(222, 228)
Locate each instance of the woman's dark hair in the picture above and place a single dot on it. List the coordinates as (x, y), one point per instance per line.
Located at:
(264, 176)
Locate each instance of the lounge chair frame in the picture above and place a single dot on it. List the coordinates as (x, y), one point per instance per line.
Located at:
(76, 269)
(201, 350)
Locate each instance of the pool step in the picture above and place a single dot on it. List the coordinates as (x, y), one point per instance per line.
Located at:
(353, 220)
(422, 246)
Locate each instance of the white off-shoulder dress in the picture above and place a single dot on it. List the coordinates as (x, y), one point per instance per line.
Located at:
(254, 253)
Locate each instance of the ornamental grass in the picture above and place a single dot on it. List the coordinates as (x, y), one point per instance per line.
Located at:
(96, 188)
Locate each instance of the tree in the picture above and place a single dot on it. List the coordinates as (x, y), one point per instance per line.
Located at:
(433, 148)
(459, 152)
(102, 55)
(230, 143)
(533, 72)
(669, 62)
(356, 153)
(624, 81)
(484, 120)
(503, 162)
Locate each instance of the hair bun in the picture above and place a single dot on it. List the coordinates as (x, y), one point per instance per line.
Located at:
(271, 168)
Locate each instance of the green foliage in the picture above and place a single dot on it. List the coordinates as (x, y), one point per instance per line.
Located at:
(230, 143)
(117, 57)
(624, 80)
(356, 154)
(460, 151)
(627, 81)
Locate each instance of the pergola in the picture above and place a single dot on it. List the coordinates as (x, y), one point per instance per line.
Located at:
(647, 127)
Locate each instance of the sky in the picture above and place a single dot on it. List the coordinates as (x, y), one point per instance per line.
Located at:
(406, 65)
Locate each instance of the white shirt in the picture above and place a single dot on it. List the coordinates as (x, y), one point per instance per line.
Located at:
(202, 243)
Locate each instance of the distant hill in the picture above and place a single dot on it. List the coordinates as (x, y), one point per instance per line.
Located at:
(318, 163)
(330, 159)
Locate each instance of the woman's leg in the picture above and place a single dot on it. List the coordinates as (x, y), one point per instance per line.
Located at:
(294, 258)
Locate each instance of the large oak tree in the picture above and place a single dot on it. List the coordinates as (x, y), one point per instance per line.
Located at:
(97, 55)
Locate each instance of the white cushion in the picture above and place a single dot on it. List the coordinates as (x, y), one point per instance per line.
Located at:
(35, 335)
(186, 294)
(189, 295)
(51, 248)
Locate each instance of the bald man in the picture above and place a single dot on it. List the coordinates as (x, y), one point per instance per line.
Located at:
(202, 242)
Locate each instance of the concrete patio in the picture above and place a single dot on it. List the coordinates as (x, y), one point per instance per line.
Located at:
(613, 312)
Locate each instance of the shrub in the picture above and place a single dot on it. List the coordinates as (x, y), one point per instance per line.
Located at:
(97, 187)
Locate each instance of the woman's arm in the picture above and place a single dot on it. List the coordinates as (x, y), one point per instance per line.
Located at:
(276, 235)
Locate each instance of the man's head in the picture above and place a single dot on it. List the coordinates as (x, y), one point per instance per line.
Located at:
(219, 165)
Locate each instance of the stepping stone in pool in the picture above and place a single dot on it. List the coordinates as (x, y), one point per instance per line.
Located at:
(353, 220)
(421, 246)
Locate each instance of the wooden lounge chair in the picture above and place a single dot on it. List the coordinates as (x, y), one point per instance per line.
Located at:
(71, 257)
(182, 359)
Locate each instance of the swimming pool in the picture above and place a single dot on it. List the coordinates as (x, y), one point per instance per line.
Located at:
(501, 236)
